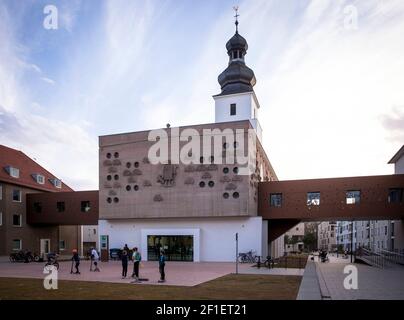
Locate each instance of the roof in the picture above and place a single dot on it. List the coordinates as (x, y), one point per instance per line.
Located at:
(397, 156)
(27, 168)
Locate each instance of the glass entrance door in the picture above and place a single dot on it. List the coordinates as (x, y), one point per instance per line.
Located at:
(176, 248)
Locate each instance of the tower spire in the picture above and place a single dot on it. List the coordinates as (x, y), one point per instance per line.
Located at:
(236, 16)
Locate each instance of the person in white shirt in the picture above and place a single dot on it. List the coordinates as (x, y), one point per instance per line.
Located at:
(94, 258)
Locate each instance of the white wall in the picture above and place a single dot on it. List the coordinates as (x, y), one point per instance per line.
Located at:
(399, 166)
(245, 106)
(216, 235)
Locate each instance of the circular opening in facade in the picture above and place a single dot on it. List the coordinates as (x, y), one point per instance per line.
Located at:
(225, 170)
(109, 200)
(211, 184)
(128, 188)
(202, 184)
(235, 195)
(128, 165)
(109, 155)
(116, 177)
(116, 154)
(109, 177)
(136, 188)
(136, 164)
(235, 170)
(116, 200)
(225, 195)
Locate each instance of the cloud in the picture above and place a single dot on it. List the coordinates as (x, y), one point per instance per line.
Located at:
(48, 80)
(393, 122)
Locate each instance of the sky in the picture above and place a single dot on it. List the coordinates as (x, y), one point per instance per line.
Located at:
(330, 78)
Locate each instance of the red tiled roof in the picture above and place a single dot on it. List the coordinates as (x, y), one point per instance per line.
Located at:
(27, 167)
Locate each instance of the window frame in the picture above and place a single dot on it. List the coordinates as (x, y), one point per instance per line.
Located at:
(58, 209)
(20, 195)
(312, 201)
(353, 198)
(83, 207)
(20, 246)
(275, 204)
(233, 109)
(20, 220)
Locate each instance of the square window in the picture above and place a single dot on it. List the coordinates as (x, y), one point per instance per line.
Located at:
(62, 244)
(275, 199)
(13, 172)
(16, 220)
(233, 109)
(353, 197)
(395, 195)
(37, 207)
(17, 244)
(85, 206)
(60, 206)
(313, 198)
(17, 195)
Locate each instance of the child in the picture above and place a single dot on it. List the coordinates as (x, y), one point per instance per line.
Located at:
(94, 258)
(136, 262)
(162, 264)
(124, 259)
(76, 258)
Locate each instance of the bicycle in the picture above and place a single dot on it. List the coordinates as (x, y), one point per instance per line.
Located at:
(52, 260)
(247, 257)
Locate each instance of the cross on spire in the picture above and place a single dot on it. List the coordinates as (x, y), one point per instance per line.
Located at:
(236, 16)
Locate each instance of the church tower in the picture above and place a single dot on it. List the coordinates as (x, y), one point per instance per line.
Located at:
(237, 101)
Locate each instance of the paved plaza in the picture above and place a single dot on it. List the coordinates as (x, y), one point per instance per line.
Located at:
(326, 281)
(177, 273)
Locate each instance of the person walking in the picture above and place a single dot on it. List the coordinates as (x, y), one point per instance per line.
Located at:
(124, 259)
(94, 259)
(76, 259)
(162, 264)
(136, 262)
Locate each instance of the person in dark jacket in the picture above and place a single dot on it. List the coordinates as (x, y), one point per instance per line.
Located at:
(124, 259)
(76, 259)
(162, 264)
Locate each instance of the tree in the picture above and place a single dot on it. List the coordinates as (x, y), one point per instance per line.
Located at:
(310, 241)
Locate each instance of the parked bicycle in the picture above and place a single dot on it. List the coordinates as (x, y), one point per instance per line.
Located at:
(24, 256)
(52, 260)
(247, 257)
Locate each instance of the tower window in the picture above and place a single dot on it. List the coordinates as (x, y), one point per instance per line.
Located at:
(233, 109)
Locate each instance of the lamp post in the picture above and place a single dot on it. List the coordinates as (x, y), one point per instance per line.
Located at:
(237, 253)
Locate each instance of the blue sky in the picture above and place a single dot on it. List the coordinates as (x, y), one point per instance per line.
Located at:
(332, 98)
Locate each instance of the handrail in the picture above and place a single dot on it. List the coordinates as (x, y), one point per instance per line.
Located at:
(372, 257)
(393, 256)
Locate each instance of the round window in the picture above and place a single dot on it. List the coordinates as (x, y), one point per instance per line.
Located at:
(136, 164)
(109, 177)
(235, 170)
(109, 155)
(225, 195)
(211, 184)
(128, 165)
(116, 200)
(116, 177)
(128, 188)
(109, 200)
(235, 195)
(202, 184)
(225, 170)
(116, 154)
(136, 188)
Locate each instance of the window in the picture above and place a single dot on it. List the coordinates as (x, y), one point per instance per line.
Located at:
(313, 198)
(109, 155)
(233, 109)
(56, 183)
(225, 170)
(395, 195)
(17, 195)
(1, 192)
(136, 164)
(16, 244)
(211, 184)
(235, 170)
(39, 178)
(16, 220)
(37, 207)
(353, 197)
(202, 184)
(60, 206)
(128, 188)
(85, 206)
(13, 172)
(62, 244)
(236, 195)
(225, 195)
(275, 199)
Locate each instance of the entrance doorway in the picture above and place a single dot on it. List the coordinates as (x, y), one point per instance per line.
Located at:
(45, 247)
(176, 248)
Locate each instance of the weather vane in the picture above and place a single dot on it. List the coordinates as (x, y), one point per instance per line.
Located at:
(235, 8)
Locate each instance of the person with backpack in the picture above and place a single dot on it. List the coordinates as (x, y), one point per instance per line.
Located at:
(124, 258)
(162, 264)
(76, 259)
(136, 262)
